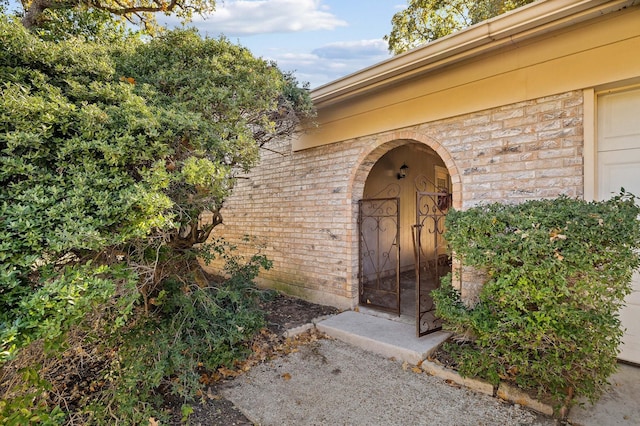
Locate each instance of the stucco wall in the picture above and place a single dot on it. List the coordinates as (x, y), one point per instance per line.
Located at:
(301, 206)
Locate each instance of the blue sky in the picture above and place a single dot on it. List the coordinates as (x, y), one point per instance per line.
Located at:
(320, 40)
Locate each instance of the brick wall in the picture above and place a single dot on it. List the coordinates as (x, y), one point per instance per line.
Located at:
(301, 207)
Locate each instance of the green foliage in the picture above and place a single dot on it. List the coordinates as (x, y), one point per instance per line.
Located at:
(219, 106)
(110, 149)
(94, 155)
(423, 21)
(558, 271)
(186, 411)
(192, 330)
(89, 24)
(64, 300)
(30, 406)
(78, 155)
(156, 357)
(44, 13)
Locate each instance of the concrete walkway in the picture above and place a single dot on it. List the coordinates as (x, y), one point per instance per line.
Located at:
(620, 406)
(391, 339)
(361, 380)
(330, 382)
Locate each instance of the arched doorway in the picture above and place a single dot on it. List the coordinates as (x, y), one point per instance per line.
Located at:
(402, 254)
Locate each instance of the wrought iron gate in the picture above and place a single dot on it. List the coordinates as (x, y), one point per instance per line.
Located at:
(431, 259)
(379, 260)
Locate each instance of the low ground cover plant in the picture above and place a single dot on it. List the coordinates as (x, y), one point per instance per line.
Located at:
(558, 271)
(120, 360)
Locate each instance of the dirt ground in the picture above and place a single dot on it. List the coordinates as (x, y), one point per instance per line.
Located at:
(282, 313)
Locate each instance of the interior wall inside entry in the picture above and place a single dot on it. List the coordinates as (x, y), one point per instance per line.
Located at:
(425, 169)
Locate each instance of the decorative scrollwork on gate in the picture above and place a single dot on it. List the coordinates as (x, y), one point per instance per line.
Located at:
(390, 191)
(379, 228)
(432, 260)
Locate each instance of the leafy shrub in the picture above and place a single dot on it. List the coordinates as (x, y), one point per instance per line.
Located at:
(110, 149)
(85, 301)
(558, 271)
(65, 300)
(192, 330)
(71, 186)
(104, 145)
(154, 359)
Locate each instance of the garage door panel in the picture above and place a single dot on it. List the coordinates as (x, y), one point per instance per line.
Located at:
(619, 169)
(618, 166)
(630, 347)
(618, 124)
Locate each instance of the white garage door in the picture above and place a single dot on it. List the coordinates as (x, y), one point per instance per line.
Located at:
(619, 166)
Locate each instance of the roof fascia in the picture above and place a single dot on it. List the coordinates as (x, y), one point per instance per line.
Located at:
(535, 19)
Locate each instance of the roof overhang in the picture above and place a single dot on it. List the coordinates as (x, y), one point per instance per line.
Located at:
(530, 21)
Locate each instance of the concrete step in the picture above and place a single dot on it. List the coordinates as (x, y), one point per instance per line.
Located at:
(382, 336)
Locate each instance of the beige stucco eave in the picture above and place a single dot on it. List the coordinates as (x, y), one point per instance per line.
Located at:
(533, 20)
(545, 48)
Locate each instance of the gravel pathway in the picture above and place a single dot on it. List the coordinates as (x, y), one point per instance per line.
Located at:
(331, 383)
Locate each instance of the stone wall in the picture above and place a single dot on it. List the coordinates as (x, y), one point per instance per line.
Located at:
(300, 207)
(517, 152)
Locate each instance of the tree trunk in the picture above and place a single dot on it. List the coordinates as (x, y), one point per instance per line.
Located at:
(194, 233)
(31, 16)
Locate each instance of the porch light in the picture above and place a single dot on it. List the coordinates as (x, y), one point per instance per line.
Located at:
(402, 173)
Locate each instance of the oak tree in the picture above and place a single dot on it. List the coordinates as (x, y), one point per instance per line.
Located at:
(423, 21)
(136, 11)
(108, 147)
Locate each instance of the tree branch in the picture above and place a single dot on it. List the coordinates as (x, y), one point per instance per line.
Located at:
(139, 9)
(37, 7)
(31, 15)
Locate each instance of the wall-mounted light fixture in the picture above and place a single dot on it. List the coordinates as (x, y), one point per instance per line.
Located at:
(402, 173)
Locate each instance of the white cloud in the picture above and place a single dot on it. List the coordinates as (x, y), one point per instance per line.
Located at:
(353, 49)
(332, 61)
(318, 65)
(247, 17)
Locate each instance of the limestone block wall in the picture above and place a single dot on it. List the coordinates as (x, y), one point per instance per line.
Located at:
(301, 207)
(517, 152)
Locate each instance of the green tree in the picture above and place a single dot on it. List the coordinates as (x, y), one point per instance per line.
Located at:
(423, 21)
(105, 146)
(110, 149)
(220, 105)
(89, 24)
(80, 160)
(135, 11)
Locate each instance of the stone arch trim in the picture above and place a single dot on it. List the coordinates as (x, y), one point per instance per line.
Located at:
(387, 142)
(380, 145)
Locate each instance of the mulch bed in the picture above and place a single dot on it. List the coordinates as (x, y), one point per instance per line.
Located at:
(444, 358)
(285, 313)
(282, 313)
(77, 372)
